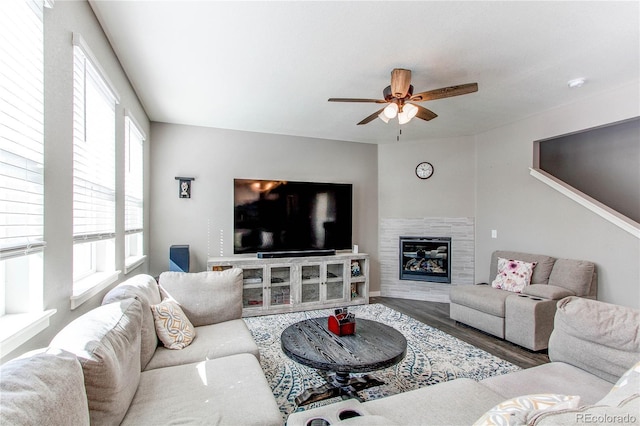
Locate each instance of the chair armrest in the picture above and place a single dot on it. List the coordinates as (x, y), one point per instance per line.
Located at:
(546, 291)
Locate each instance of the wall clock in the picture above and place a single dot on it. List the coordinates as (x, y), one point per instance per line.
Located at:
(424, 170)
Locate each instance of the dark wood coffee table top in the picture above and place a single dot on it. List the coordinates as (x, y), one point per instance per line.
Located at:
(374, 346)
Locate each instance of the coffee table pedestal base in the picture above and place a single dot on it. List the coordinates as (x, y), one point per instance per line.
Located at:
(343, 385)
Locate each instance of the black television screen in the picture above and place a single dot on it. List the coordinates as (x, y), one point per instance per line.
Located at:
(274, 215)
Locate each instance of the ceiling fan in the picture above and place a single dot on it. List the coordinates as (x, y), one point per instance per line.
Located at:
(399, 98)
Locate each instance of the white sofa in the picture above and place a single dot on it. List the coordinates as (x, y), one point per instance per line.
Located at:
(595, 354)
(108, 368)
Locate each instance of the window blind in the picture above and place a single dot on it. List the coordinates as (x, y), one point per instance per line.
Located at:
(21, 128)
(134, 180)
(93, 149)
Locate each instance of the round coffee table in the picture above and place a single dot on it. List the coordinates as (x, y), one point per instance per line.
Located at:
(374, 346)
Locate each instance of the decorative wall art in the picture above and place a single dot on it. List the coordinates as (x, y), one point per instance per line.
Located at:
(185, 186)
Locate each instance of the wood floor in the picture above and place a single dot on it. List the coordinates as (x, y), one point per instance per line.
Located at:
(437, 315)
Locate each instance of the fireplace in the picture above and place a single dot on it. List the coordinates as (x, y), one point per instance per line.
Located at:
(425, 259)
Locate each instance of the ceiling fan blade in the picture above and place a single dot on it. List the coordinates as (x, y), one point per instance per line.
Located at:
(372, 117)
(445, 92)
(377, 101)
(400, 82)
(425, 114)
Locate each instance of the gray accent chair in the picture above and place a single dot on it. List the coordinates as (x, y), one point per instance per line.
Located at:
(525, 318)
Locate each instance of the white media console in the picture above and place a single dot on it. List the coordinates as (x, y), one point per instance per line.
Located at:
(288, 284)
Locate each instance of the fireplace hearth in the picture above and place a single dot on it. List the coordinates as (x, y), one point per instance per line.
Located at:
(425, 259)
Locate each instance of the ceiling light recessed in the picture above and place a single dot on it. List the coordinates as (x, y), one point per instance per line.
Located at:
(576, 82)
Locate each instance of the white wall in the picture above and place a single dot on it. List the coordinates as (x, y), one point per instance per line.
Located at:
(60, 22)
(529, 216)
(215, 157)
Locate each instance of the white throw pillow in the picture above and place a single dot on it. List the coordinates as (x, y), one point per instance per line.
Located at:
(172, 325)
(516, 410)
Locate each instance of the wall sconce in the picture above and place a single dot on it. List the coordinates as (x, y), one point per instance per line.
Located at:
(184, 189)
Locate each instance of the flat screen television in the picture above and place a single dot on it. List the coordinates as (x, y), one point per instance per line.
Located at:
(272, 215)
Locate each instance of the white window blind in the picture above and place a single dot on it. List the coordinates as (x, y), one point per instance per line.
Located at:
(21, 128)
(134, 181)
(93, 149)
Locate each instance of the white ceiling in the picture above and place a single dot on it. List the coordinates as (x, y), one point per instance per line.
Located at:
(271, 66)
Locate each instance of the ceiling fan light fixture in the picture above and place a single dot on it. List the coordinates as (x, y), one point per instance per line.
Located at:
(403, 117)
(411, 110)
(383, 117)
(391, 110)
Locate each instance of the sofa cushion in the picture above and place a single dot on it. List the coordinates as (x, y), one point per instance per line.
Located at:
(106, 340)
(145, 289)
(43, 387)
(208, 297)
(457, 402)
(544, 264)
(513, 275)
(172, 325)
(547, 291)
(553, 377)
(225, 391)
(575, 275)
(213, 341)
(514, 411)
(601, 338)
(483, 298)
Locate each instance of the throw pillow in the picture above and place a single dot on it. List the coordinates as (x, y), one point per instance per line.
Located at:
(628, 385)
(516, 410)
(172, 325)
(513, 275)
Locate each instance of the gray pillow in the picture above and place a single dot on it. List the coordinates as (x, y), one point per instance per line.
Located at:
(43, 387)
(208, 297)
(145, 289)
(106, 340)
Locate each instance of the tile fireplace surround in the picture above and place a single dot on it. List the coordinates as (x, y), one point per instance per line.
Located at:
(461, 231)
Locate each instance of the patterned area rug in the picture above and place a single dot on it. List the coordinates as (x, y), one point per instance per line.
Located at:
(432, 357)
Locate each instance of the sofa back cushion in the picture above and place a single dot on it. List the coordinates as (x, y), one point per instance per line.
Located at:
(579, 276)
(208, 297)
(598, 337)
(43, 387)
(106, 340)
(145, 289)
(544, 264)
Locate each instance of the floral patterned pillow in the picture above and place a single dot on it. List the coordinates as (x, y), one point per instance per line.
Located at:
(513, 275)
(172, 326)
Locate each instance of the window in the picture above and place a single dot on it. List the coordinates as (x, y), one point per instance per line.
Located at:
(21, 173)
(94, 204)
(133, 194)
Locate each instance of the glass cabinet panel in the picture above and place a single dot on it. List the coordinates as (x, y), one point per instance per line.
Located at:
(252, 291)
(335, 281)
(280, 286)
(310, 283)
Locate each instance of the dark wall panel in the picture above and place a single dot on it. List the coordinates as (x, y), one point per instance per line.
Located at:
(603, 162)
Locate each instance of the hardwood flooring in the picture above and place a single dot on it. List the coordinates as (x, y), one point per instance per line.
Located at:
(437, 315)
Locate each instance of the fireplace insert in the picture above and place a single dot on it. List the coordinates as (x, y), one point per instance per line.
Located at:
(425, 259)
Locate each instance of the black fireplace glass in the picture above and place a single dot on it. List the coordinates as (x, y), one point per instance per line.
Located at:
(425, 259)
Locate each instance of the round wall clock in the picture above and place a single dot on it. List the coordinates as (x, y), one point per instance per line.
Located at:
(424, 170)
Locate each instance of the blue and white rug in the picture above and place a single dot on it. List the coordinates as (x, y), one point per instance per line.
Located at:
(433, 356)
